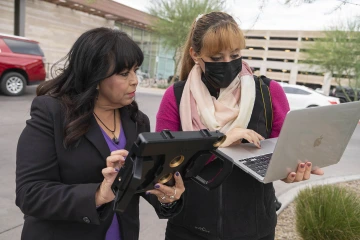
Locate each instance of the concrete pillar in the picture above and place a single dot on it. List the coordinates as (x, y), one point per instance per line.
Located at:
(293, 74)
(19, 17)
(263, 68)
(297, 51)
(327, 83)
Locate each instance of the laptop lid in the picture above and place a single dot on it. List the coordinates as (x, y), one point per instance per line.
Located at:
(319, 135)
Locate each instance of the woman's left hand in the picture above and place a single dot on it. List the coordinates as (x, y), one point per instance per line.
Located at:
(302, 173)
(166, 194)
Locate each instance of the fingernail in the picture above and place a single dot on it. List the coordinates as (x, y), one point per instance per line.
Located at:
(302, 165)
(148, 193)
(157, 186)
(177, 174)
(309, 164)
(293, 175)
(116, 169)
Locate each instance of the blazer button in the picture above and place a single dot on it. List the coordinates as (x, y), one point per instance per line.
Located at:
(86, 219)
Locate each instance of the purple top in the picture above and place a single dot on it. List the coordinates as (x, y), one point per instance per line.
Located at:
(113, 233)
(168, 116)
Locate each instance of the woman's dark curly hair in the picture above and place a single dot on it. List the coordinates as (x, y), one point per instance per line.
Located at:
(96, 55)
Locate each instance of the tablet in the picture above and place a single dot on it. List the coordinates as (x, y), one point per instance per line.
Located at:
(156, 157)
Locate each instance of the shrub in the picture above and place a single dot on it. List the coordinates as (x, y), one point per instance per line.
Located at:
(162, 86)
(328, 212)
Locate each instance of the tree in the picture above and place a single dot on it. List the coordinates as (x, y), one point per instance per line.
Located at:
(174, 19)
(339, 53)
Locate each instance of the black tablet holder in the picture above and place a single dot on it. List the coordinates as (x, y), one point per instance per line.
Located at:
(156, 157)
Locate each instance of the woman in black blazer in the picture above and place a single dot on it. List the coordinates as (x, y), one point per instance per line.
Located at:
(82, 124)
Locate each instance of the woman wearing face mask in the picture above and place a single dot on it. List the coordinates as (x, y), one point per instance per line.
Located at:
(220, 93)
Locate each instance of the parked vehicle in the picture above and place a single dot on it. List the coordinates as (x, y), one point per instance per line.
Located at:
(304, 97)
(338, 92)
(22, 63)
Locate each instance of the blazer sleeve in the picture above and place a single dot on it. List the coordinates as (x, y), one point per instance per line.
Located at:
(39, 190)
(162, 212)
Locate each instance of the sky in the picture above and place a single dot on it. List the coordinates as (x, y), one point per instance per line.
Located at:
(277, 16)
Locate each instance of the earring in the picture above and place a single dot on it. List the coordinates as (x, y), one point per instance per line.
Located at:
(97, 93)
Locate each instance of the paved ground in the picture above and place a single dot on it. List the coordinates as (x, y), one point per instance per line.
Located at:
(14, 112)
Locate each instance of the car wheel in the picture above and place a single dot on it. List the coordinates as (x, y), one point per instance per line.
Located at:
(13, 84)
(312, 106)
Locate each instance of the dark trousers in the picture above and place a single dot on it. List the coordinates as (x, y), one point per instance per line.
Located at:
(174, 232)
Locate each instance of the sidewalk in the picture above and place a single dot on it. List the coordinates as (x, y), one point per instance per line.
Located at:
(286, 193)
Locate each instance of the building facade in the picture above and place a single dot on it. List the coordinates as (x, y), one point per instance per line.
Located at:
(56, 24)
(280, 55)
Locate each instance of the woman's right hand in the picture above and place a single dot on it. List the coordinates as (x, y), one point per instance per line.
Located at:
(235, 135)
(114, 162)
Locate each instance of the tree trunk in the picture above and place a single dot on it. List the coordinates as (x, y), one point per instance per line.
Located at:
(176, 62)
(342, 89)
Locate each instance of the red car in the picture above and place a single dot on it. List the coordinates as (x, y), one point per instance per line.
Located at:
(22, 63)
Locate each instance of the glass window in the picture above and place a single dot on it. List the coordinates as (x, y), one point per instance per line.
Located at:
(23, 47)
(119, 25)
(137, 37)
(302, 92)
(145, 68)
(288, 90)
(128, 30)
(146, 42)
(152, 70)
(154, 44)
(292, 90)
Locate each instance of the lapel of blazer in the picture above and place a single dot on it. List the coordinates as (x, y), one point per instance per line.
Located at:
(129, 127)
(95, 136)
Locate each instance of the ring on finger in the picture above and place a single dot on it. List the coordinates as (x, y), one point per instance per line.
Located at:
(173, 196)
(163, 197)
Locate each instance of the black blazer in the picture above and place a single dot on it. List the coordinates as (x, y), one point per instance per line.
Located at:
(55, 187)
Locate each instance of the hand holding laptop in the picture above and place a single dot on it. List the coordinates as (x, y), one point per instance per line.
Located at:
(302, 173)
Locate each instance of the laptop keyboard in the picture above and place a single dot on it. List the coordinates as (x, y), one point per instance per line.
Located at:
(258, 164)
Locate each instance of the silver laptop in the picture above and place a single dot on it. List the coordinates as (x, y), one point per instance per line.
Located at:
(319, 135)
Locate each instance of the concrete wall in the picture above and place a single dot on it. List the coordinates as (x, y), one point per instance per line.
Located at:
(56, 28)
(7, 16)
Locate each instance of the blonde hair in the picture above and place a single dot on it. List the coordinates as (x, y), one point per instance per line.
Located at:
(208, 35)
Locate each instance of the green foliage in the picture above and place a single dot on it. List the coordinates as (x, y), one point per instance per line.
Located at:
(163, 86)
(339, 53)
(176, 16)
(328, 213)
(174, 19)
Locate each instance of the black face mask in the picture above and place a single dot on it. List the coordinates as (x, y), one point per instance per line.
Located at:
(221, 74)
